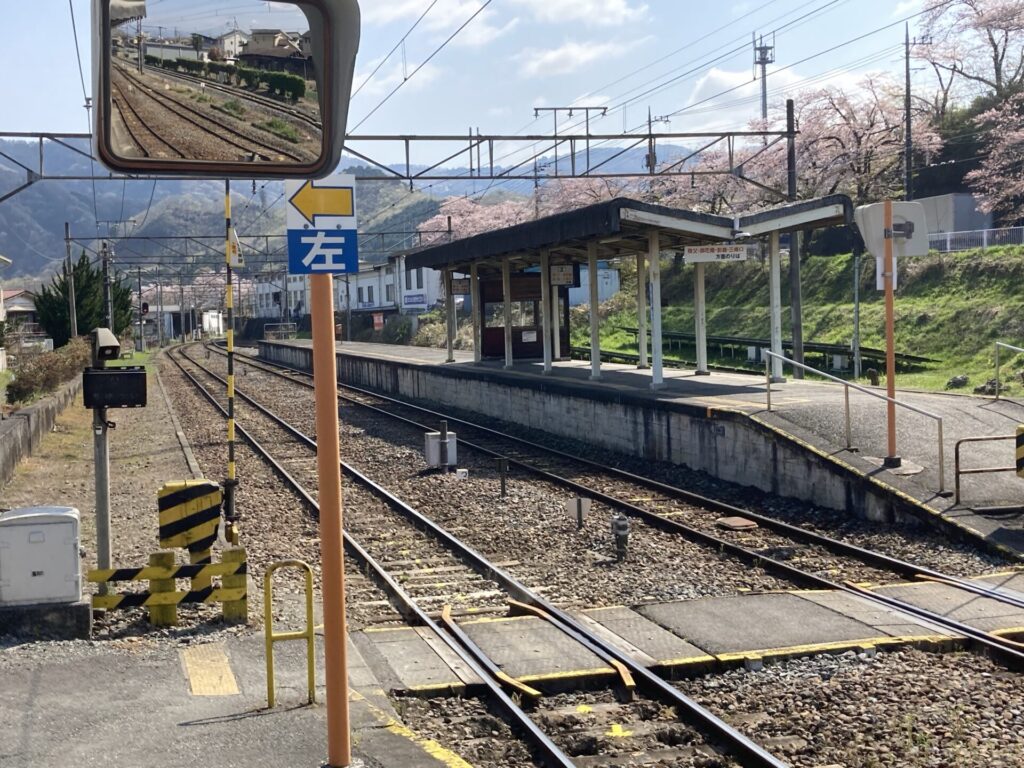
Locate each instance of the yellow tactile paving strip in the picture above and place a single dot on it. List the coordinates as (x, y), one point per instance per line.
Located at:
(208, 670)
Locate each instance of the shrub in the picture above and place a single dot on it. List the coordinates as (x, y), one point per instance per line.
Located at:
(34, 376)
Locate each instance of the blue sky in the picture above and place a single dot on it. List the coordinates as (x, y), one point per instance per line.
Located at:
(516, 55)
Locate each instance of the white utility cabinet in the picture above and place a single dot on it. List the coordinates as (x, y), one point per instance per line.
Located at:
(432, 449)
(39, 560)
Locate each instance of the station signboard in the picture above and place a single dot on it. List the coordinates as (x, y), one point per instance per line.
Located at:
(704, 254)
(564, 274)
(460, 286)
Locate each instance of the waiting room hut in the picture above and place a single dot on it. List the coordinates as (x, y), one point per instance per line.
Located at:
(519, 276)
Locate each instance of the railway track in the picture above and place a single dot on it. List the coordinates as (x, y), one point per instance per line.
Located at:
(210, 126)
(777, 557)
(239, 93)
(653, 713)
(145, 138)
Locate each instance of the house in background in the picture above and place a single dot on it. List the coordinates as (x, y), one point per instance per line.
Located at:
(19, 309)
(232, 43)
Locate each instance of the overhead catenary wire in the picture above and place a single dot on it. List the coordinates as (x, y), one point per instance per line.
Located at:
(422, 64)
(392, 51)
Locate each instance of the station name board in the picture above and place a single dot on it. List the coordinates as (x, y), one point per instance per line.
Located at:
(698, 254)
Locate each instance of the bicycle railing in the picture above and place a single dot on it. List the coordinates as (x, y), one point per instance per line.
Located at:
(847, 386)
(1003, 345)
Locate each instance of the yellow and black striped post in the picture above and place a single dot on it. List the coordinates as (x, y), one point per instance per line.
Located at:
(1020, 450)
(189, 518)
(232, 481)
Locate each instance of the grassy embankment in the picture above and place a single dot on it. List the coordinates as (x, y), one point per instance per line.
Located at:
(951, 307)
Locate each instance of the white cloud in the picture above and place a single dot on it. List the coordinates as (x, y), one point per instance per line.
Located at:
(570, 56)
(592, 12)
(905, 8)
(443, 18)
(390, 11)
(389, 76)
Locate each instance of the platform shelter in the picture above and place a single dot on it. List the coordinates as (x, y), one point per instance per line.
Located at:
(518, 276)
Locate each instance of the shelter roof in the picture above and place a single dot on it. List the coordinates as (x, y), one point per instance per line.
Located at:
(620, 227)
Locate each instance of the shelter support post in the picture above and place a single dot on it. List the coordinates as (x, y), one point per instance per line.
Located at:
(556, 319)
(506, 295)
(775, 290)
(476, 310)
(545, 306)
(449, 305)
(595, 338)
(641, 309)
(654, 255)
(700, 319)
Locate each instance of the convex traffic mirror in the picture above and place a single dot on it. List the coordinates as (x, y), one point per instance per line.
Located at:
(214, 88)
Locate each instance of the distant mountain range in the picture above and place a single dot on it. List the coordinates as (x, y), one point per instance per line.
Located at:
(32, 221)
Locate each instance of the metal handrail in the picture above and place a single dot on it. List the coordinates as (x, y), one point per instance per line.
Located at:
(847, 385)
(980, 470)
(271, 637)
(1005, 346)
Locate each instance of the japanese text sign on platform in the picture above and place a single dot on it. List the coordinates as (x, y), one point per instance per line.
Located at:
(699, 254)
(322, 236)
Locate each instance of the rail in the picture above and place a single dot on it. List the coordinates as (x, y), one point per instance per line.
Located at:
(847, 386)
(980, 470)
(1003, 345)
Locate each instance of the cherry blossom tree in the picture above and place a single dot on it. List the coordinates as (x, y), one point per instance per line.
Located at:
(999, 182)
(470, 217)
(978, 41)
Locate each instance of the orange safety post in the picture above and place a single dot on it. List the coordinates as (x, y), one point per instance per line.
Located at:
(328, 460)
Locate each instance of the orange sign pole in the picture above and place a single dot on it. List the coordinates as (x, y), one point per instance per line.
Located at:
(891, 459)
(328, 459)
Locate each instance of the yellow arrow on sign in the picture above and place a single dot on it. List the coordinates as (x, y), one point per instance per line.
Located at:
(313, 201)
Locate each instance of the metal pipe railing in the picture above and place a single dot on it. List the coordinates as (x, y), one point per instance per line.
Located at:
(957, 472)
(1004, 345)
(847, 386)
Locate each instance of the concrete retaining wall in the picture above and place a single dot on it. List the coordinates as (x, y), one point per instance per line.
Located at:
(728, 445)
(21, 432)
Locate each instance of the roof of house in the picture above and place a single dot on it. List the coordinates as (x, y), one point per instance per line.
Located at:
(12, 293)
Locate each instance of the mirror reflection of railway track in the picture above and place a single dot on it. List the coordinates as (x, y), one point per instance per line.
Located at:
(285, 111)
(148, 141)
(191, 125)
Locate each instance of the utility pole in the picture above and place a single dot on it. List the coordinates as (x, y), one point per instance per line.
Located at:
(795, 298)
(160, 311)
(72, 310)
(763, 56)
(107, 255)
(908, 183)
(138, 28)
(231, 259)
(181, 304)
(142, 333)
(651, 161)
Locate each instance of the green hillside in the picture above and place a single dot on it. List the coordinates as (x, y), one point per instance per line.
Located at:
(951, 307)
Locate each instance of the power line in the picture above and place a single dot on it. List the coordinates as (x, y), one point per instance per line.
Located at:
(392, 51)
(422, 64)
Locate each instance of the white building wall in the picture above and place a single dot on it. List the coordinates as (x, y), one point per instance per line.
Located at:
(607, 286)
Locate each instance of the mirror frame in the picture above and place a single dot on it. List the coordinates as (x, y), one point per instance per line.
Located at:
(338, 30)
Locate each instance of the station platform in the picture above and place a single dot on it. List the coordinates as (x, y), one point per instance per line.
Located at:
(688, 637)
(720, 423)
